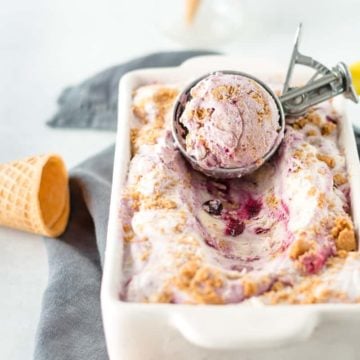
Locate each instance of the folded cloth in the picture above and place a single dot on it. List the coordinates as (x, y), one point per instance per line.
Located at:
(93, 103)
(70, 324)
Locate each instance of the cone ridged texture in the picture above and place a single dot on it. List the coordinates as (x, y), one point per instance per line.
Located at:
(34, 195)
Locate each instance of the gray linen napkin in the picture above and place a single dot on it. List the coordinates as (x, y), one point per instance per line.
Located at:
(70, 326)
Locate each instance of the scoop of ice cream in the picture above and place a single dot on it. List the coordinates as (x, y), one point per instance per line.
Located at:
(231, 121)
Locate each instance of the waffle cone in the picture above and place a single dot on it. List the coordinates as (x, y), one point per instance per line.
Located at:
(191, 8)
(34, 195)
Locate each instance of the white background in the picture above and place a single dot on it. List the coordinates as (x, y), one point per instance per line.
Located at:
(47, 45)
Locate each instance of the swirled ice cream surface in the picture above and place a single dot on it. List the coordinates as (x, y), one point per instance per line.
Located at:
(231, 121)
(283, 234)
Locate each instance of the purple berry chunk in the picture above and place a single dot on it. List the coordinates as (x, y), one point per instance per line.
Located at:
(213, 207)
(210, 242)
(260, 230)
(234, 227)
(331, 119)
(252, 207)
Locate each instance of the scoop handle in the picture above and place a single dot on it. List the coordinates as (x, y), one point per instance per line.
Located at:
(355, 74)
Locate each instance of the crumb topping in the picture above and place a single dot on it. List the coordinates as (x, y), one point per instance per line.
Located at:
(200, 282)
(201, 113)
(328, 128)
(311, 133)
(128, 233)
(312, 191)
(250, 288)
(202, 269)
(321, 200)
(339, 179)
(271, 200)
(224, 92)
(343, 233)
(328, 160)
(311, 117)
(300, 247)
(162, 99)
(155, 201)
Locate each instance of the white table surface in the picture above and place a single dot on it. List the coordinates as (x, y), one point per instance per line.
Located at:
(47, 45)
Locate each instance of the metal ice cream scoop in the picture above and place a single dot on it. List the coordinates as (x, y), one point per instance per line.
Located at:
(324, 84)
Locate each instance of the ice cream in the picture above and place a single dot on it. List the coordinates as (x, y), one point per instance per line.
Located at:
(231, 121)
(283, 234)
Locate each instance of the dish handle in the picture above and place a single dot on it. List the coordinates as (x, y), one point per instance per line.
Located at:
(245, 328)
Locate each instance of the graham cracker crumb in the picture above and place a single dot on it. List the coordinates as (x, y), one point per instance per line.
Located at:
(260, 100)
(250, 288)
(298, 154)
(149, 136)
(328, 128)
(321, 200)
(133, 135)
(311, 133)
(346, 240)
(145, 255)
(300, 247)
(201, 283)
(165, 297)
(128, 233)
(179, 228)
(133, 139)
(330, 162)
(139, 111)
(303, 293)
(204, 285)
(340, 224)
(159, 203)
(324, 294)
(311, 117)
(335, 262)
(342, 254)
(164, 97)
(188, 240)
(339, 179)
(343, 233)
(135, 198)
(201, 113)
(312, 191)
(156, 201)
(272, 201)
(277, 286)
(224, 92)
(224, 245)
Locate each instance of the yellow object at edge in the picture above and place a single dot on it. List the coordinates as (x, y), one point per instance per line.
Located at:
(355, 74)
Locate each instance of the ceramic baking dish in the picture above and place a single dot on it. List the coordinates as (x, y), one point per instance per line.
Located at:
(137, 331)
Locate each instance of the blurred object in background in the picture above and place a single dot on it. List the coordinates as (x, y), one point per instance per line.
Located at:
(191, 8)
(200, 23)
(216, 23)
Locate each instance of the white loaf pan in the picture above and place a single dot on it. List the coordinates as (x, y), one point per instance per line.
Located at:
(137, 331)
